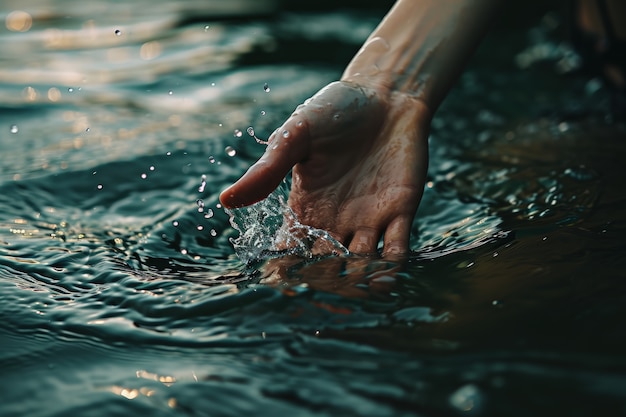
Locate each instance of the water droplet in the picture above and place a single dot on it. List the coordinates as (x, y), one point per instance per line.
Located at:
(213, 232)
(212, 159)
(170, 92)
(99, 187)
(336, 116)
(300, 123)
(144, 176)
(230, 151)
(266, 88)
(168, 153)
(200, 204)
(175, 223)
(87, 130)
(206, 28)
(212, 84)
(286, 133)
(13, 129)
(262, 112)
(237, 133)
(200, 227)
(70, 90)
(118, 32)
(218, 205)
(151, 168)
(250, 131)
(208, 214)
(183, 251)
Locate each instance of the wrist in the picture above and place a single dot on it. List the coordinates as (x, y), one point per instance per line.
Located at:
(420, 47)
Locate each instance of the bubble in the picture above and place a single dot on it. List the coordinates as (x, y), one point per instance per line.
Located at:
(206, 28)
(213, 232)
(168, 153)
(175, 223)
(70, 90)
(286, 133)
(250, 131)
(200, 227)
(151, 168)
(208, 214)
(238, 133)
(336, 116)
(262, 112)
(266, 88)
(300, 123)
(99, 187)
(144, 176)
(200, 204)
(170, 92)
(212, 159)
(230, 151)
(218, 205)
(13, 129)
(87, 130)
(118, 32)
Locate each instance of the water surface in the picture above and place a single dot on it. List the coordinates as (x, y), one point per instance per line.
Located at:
(122, 292)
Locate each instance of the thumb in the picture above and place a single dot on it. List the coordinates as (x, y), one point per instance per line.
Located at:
(287, 146)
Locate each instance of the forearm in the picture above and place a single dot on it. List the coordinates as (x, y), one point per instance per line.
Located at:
(421, 46)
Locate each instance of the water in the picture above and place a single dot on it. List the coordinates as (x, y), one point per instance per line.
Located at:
(123, 294)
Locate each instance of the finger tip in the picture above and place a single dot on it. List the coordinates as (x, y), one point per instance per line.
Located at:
(229, 198)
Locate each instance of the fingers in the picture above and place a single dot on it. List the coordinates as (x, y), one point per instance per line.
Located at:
(365, 241)
(396, 238)
(287, 146)
(396, 241)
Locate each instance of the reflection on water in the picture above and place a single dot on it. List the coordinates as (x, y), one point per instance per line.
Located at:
(122, 293)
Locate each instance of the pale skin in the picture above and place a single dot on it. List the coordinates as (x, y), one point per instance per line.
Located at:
(358, 148)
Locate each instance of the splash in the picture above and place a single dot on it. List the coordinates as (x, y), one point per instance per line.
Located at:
(270, 229)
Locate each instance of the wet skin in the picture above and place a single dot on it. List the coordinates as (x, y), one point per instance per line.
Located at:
(359, 157)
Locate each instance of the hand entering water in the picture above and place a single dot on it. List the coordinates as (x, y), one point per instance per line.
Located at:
(359, 159)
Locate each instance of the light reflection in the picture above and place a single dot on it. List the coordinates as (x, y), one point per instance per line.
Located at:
(150, 50)
(125, 392)
(19, 21)
(164, 379)
(30, 94)
(54, 94)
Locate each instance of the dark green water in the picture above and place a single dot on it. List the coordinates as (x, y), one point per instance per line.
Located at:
(121, 293)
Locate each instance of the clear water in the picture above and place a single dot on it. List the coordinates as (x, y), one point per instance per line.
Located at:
(121, 290)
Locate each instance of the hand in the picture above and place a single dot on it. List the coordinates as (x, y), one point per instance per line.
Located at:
(359, 156)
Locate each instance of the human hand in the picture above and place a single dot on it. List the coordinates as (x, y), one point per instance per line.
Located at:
(359, 156)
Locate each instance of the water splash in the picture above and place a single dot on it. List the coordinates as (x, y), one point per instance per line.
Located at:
(271, 229)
